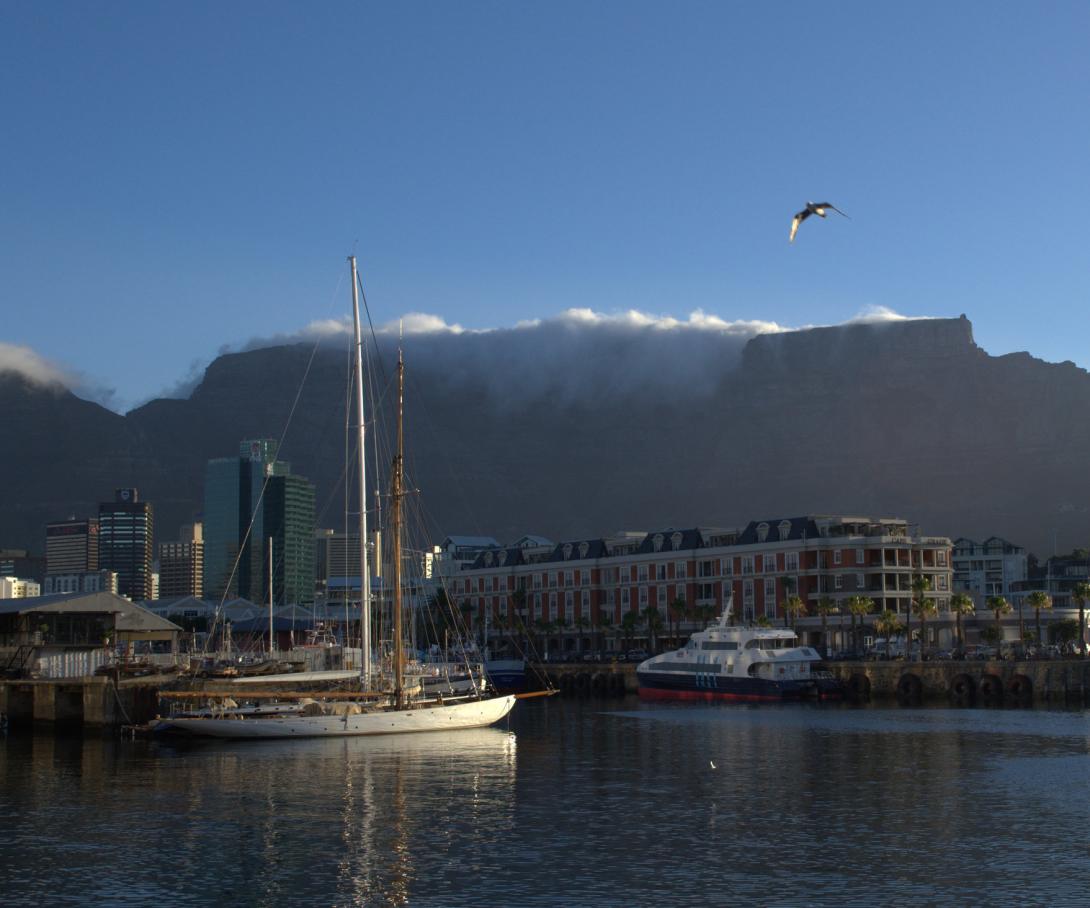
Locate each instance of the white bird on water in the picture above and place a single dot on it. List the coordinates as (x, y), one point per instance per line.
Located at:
(712, 763)
(818, 208)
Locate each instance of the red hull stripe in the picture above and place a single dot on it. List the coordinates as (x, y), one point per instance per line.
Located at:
(651, 693)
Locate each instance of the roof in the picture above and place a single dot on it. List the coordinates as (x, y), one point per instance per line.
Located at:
(130, 616)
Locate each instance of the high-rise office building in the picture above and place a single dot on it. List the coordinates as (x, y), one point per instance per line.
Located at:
(181, 564)
(289, 522)
(125, 530)
(71, 546)
(246, 500)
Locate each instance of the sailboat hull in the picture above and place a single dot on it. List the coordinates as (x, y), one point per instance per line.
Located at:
(474, 714)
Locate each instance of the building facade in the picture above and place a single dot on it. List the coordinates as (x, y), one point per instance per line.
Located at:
(248, 500)
(71, 546)
(125, 529)
(181, 564)
(691, 574)
(82, 582)
(16, 588)
(988, 568)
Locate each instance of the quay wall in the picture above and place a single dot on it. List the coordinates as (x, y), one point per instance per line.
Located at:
(963, 682)
(96, 702)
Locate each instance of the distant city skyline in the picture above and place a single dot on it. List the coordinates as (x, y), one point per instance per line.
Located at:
(187, 180)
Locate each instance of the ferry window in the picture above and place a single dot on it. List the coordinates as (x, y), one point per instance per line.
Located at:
(719, 645)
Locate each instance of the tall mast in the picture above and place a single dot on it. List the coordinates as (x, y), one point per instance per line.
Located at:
(395, 528)
(365, 573)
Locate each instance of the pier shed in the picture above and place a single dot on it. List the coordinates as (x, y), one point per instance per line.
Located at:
(71, 634)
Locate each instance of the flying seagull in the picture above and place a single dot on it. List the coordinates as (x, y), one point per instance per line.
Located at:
(817, 208)
(712, 763)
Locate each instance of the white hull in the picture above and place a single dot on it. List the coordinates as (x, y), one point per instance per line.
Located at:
(448, 717)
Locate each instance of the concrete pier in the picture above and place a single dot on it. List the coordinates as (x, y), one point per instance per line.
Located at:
(97, 702)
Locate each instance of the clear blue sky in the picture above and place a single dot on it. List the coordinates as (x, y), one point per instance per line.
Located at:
(176, 177)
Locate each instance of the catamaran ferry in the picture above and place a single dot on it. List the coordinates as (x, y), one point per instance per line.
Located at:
(727, 662)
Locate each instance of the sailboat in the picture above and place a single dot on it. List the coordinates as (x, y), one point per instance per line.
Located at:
(403, 708)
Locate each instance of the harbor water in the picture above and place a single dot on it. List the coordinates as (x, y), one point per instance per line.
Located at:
(572, 802)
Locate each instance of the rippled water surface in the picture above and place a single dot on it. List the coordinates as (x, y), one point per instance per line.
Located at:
(575, 803)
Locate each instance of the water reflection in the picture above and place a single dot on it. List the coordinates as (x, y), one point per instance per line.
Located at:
(596, 805)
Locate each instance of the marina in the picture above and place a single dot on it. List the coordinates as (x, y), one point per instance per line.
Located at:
(811, 802)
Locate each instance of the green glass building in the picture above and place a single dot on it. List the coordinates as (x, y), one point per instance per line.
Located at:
(238, 507)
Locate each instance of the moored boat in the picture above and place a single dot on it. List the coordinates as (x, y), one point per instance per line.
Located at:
(731, 662)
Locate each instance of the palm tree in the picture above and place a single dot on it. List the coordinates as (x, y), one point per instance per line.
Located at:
(793, 607)
(889, 625)
(678, 608)
(629, 621)
(924, 608)
(763, 621)
(1081, 593)
(1038, 600)
(652, 617)
(518, 609)
(921, 583)
(826, 605)
(859, 606)
(581, 624)
(999, 606)
(961, 604)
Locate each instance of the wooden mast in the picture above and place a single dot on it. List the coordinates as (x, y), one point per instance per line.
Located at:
(395, 527)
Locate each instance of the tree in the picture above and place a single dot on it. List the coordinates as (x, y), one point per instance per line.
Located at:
(859, 607)
(652, 618)
(889, 625)
(921, 584)
(678, 608)
(518, 609)
(826, 605)
(793, 607)
(1063, 632)
(581, 624)
(1081, 593)
(961, 604)
(999, 606)
(763, 621)
(629, 621)
(1038, 600)
(924, 608)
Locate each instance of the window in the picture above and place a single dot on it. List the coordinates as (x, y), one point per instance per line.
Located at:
(940, 557)
(552, 606)
(768, 563)
(642, 573)
(679, 570)
(569, 609)
(705, 591)
(837, 556)
(586, 578)
(770, 591)
(503, 606)
(747, 564)
(728, 567)
(643, 597)
(586, 601)
(860, 581)
(785, 529)
(624, 596)
(537, 605)
(660, 571)
(770, 601)
(611, 598)
(942, 582)
(860, 556)
(568, 578)
(679, 592)
(791, 561)
(762, 532)
(838, 582)
(662, 597)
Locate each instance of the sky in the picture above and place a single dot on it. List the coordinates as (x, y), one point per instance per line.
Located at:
(180, 179)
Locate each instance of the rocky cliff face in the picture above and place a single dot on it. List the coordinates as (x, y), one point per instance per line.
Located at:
(906, 419)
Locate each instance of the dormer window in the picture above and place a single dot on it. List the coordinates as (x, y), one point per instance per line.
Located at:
(567, 550)
(488, 558)
(785, 529)
(657, 541)
(762, 532)
(584, 547)
(502, 558)
(675, 541)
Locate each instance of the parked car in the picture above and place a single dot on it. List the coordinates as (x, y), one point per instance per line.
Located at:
(592, 656)
(637, 655)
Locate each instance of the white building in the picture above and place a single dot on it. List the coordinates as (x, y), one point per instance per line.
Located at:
(988, 568)
(14, 588)
(80, 582)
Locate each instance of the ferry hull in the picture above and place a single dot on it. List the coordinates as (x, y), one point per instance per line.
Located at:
(709, 688)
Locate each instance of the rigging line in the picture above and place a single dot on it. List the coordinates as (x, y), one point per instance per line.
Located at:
(264, 485)
(371, 325)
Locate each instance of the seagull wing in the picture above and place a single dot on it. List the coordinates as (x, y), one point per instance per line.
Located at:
(833, 207)
(798, 219)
